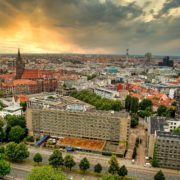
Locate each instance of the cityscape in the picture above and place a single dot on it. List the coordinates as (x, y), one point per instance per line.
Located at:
(90, 90)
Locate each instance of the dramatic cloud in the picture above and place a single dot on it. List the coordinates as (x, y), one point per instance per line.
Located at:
(90, 26)
(169, 5)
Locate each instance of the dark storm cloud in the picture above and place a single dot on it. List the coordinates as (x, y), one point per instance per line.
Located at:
(88, 12)
(168, 5)
(92, 24)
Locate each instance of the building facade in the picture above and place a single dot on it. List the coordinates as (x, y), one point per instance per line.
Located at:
(177, 97)
(167, 150)
(89, 124)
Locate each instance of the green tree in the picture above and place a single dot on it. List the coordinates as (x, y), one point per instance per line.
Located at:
(23, 105)
(145, 103)
(69, 161)
(16, 134)
(123, 171)
(84, 164)
(45, 173)
(134, 153)
(37, 158)
(113, 165)
(162, 110)
(134, 120)
(97, 168)
(5, 168)
(13, 120)
(173, 103)
(159, 176)
(2, 149)
(177, 130)
(170, 112)
(128, 103)
(16, 152)
(1, 94)
(56, 159)
(2, 134)
(134, 104)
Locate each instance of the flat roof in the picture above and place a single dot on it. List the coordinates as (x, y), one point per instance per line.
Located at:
(82, 143)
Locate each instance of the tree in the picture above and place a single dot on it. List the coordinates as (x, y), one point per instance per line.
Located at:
(16, 134)
(162, 110)
(16, 152)
(23, 105)
(97, 168)
(145, 103)
(1, 94)
(5, 168)
(123, 171)
(13, 120)
(159, 176)
(170, 112)
(56, 159)
(134, 153)
(177, 130)
(46, 173)
(113, 165)
(69, 161)
(128, 103)
(134, 120)
(173, 103)
(84, 164)
(2, 149)
(37, 158)
(134, 104)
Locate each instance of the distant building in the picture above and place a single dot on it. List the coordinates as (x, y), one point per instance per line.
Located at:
(167, 62)
(148, 57)
(106, 93)
(163, 143)
(20, 66)
(27, 81)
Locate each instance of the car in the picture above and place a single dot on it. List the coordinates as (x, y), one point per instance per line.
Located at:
(147, 165)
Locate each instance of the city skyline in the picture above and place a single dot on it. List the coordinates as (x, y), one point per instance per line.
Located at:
(95, 26)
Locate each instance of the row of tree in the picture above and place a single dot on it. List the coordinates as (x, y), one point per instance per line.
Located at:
(97, 101)
(56, 160)
(145, 108)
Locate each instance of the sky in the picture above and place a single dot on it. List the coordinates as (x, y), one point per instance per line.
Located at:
(90, 26)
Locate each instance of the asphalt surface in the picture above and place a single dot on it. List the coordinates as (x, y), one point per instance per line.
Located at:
(134, 171)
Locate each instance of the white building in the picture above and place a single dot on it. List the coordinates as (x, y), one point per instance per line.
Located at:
(106, 93)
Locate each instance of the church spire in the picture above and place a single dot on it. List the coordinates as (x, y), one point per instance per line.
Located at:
(19, 55)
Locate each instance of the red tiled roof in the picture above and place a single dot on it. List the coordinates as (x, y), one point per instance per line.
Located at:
(36, 74)
(21, 98)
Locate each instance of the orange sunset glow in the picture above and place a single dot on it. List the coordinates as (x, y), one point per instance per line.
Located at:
(81, 26)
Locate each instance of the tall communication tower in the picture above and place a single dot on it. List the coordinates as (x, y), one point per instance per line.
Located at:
(127, 55)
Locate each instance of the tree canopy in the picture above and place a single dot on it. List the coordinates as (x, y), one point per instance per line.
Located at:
(37, 158)
(5, 168)
(69, 161)
(45, 173)
(13, 120)
(123, 171)
(97, 101)
(84, 164)
(113, 165)
(16, 134)
(159, 176)
(56, 159)
(16, 152)
(97, 168)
